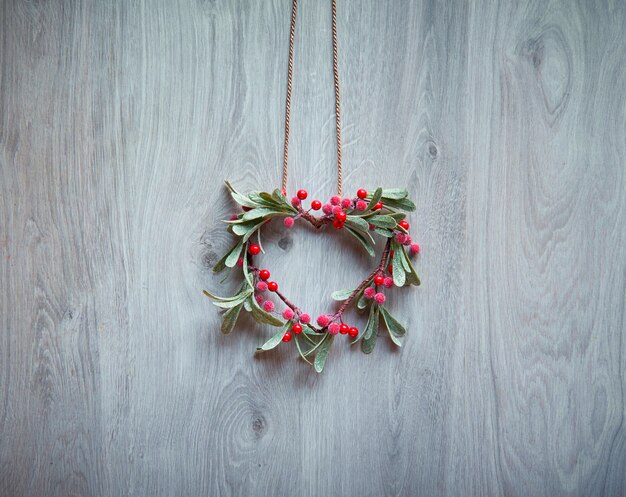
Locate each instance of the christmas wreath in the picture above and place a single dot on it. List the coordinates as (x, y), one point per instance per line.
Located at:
(379, 213)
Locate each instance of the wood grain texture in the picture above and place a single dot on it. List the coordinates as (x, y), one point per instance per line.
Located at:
(118, 122)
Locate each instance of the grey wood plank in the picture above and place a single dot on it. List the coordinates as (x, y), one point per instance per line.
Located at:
(118, 121)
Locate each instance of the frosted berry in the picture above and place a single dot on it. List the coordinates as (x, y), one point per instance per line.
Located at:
(259, 298)
(261, 286)
(361, 205)
(346, 203)
(302, 194)
(288, 222)
(379, 298)
(323, 320)
(240, 262)
(337, 224)
(254, 249)
(388, 282)
(415, 248)
(340, 216)
(378, 206)
(336, 209)
(288, 314)
(305, 318)
(361, 193)
(268, 305)
(379, 279)
(400, 237)
(404, 224)
(369, 292)
(343, 328)
(264, 274)
(297, 328)
(335, 200)
(295, 201)
(353, 331)
(272, 286)
(316, 205)
(233, 217)
(286, 337)
(407, 240)
(333, 328)
(327, 209)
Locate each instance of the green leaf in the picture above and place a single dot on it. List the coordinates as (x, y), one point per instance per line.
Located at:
(260, 212)
(375, 198)
(247, 236)
(367, 244)
(238, 197)
(404, 204)
(243, 228)
(392, 323)
(263, 199)
(371, 333)
(382, 221)
(412, 277)
(224, 299)
(362, 302)
(383, 232)
(297, 340)
(231, 303)
(399, 276)
(357, 223)
(274, 341)
(394, 193)
(342, 294)
(398, 216)
(234, 254)
(221, 264)
(282, 201)
(322, 353)
(230, 318)
(262, 316)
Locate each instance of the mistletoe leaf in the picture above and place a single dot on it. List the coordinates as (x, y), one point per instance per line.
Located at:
(392, 324)
(362, 302)
(357, 223)
(403, 204)
(234, 254)
(230, 318)
(367, 244)
(262, 316)
(383, 232)
(399, 276)
(221, 264)
(382, 221)
(260, 212)
(297, 340)
(371, 332)
(412, 277)
(398, 216)
(375, 198)
(282, 201)
(342, 294)
(322, 353)
(273, 342)
(238, 197)
(394, 193)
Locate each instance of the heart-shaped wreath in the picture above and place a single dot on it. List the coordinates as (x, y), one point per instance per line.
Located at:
(379, 212)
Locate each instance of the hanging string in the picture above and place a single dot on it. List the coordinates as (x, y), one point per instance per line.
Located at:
(294, 11)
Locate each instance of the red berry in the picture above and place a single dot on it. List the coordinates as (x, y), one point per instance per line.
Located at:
(240, 262)
(404, 224)
(344, 328)
(379, 279)
(302, 194)
(390, 268)
(296, 328)
(362, 193)
(353, 332)
(337, 224)
(316, 205)
(378, 206)
(245, 208)
(340, 216)
(254, 249)
(286, 336)
(264, 274)
(272, 286)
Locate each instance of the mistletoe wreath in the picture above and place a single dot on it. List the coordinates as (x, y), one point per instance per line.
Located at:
(381, 212)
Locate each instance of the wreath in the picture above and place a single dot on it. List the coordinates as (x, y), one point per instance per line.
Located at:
(379, 213)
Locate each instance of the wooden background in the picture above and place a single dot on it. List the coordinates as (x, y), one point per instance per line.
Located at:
(118, 121)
